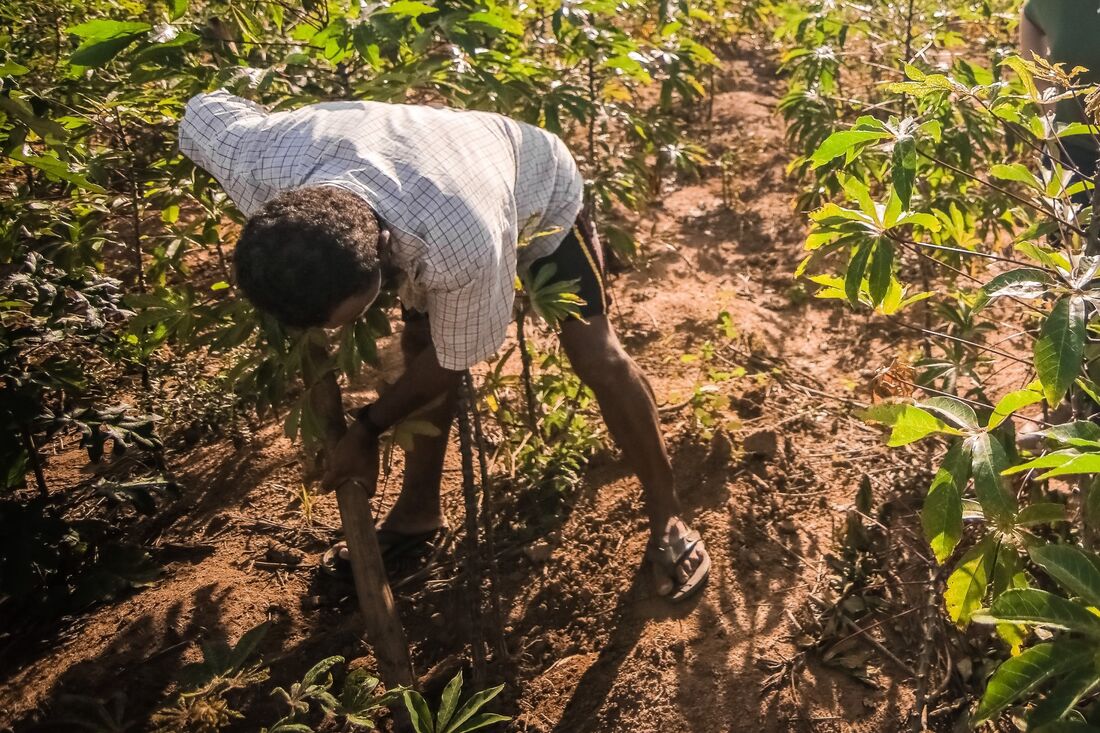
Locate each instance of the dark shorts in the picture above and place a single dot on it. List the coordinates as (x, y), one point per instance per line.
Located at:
(579, 257)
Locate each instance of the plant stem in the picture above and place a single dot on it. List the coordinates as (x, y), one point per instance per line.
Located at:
(471, 541)
(36, 460)
(525, 374)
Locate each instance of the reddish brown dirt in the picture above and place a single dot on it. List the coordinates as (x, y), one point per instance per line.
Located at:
(598, 652)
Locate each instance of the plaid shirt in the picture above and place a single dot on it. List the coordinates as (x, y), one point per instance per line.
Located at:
(460, 190)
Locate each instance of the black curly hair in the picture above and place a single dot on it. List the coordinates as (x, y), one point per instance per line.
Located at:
(305, 252)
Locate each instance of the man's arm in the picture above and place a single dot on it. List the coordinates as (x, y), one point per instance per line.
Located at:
(1033, 42)
(422, 381)
(356, 456)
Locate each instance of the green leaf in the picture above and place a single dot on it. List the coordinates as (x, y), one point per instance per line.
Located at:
(853, 278)
(480, 721)
(103, 40)
(94, 54)
(449, 702)
(839, 143)
(419, 713)
(904, 169)
(908, 422)
(967, 584)
(989, 460)
(1024, 282)
(956, 411)
(882, 269)
(177, 8)
(1019, 675)
(472, 706)
(494, 19)
(1016, 172)
(941, 516)
(247, 646)
(1067, 726)
(1084, 463)
(1060, 348)
(408, 9)
(1011, 402)
(22, 111)
(56, 169)
(1065, 696)
(1041, 512)
(1073, 568)
(1040, 608)
(98, 30)
(10, 68)
(1082, 433)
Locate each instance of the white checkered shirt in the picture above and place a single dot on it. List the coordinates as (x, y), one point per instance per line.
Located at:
(459, 189)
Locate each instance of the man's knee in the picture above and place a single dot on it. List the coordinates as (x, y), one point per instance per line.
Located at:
(604, 364)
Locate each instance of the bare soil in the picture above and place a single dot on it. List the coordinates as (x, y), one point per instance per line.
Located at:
(595, 650)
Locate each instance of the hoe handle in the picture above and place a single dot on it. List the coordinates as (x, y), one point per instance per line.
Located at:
(384, 630)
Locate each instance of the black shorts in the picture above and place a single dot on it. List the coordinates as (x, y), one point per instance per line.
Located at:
(579, 257)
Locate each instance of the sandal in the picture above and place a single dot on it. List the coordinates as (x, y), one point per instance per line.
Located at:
(669, 555)
(398, 548)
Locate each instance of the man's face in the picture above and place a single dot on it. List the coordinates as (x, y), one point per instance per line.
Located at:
(354, 305)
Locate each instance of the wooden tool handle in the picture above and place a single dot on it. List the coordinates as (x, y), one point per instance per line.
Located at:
(384, 630)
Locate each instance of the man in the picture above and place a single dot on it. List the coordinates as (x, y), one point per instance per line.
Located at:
(1067, 33)
(337, 192)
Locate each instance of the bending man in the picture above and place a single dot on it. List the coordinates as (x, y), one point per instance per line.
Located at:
(337, 192)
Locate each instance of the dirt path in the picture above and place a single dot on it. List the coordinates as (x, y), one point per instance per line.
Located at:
(599, 652)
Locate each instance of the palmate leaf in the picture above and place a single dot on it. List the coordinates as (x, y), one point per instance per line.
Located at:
(1040, 608)
(1060, 348)
(1021, 674)
(1073, 568)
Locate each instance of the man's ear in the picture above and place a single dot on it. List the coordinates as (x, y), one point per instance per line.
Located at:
(384, 243)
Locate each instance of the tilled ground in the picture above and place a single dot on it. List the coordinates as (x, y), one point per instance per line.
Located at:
(762, 649)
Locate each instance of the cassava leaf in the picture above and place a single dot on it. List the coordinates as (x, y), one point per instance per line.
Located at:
(1060, 348)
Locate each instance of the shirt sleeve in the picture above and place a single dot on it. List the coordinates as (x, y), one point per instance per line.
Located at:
(213, 133)
(470, 323)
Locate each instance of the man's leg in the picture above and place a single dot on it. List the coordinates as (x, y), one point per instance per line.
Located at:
(630, 411)
(419, 508)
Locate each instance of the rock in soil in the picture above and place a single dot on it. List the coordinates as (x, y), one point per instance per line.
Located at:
(538, 552)
(762, 443)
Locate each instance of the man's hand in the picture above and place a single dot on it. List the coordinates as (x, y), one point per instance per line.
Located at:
(355, 458)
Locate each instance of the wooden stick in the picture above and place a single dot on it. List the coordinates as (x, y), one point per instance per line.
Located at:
(371, 586)
(384, 631)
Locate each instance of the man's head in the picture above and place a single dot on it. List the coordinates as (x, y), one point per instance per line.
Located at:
(309, 257)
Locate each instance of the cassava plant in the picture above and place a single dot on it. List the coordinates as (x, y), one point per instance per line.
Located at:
(926, 204)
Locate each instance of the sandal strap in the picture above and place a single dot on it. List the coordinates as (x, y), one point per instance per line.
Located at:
(670, 554)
